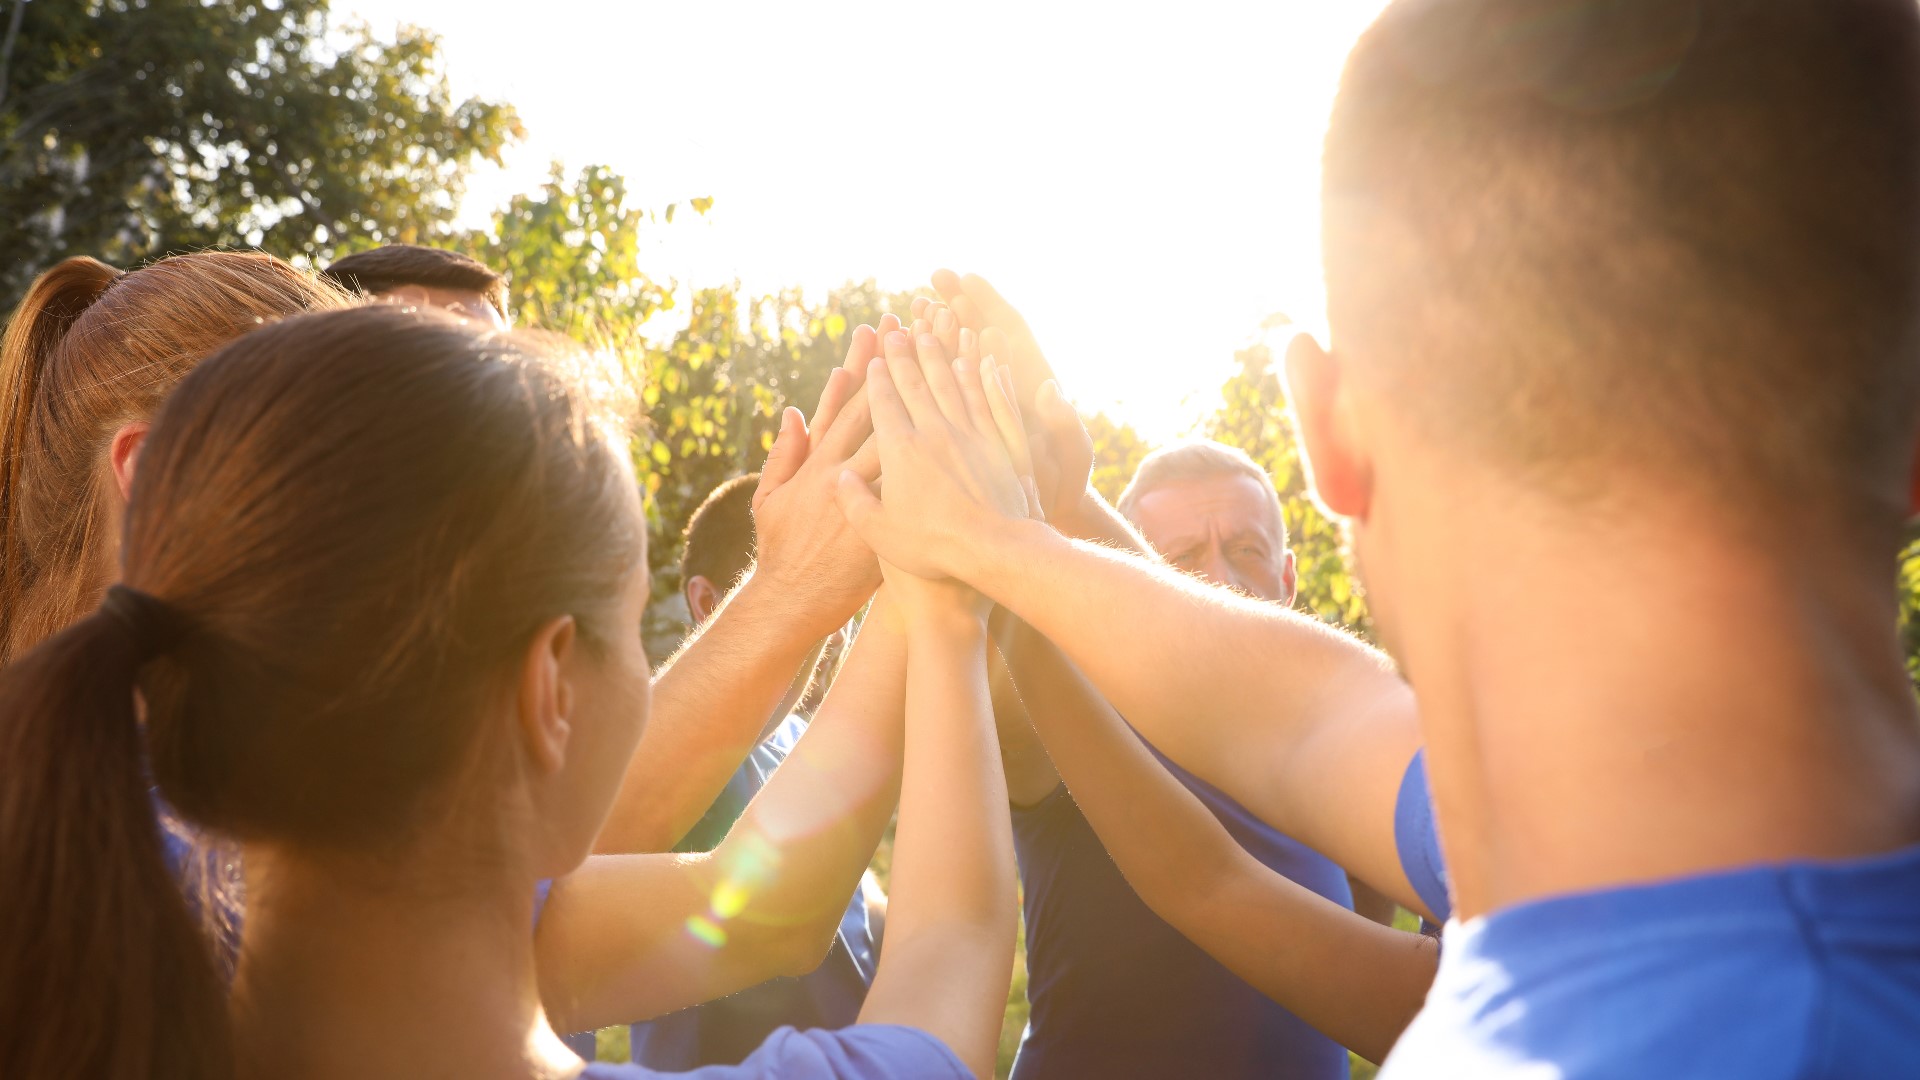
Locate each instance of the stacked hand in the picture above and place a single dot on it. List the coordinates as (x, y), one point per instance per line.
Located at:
(953, 459)
(807, 554)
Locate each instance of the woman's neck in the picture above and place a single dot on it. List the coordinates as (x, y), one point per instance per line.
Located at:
(348, 970)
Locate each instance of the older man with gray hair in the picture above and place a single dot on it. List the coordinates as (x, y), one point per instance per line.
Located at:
(1115, 990)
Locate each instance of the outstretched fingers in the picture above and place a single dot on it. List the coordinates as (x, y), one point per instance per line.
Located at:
(909, 383)
(997, 384)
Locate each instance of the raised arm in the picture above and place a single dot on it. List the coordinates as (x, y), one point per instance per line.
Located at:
(952, 917)
(1304, 725)
(713, 699)
(629, 937)
(1357, 981)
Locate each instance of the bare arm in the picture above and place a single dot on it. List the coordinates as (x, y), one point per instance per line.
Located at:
(1305, 726)
(1358, 982)
(629, 937)
(712, 701)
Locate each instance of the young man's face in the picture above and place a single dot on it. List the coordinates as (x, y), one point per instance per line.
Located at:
(1220, 528)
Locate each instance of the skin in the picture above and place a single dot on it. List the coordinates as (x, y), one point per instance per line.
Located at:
(1751, 766)
(464, 302)
(1356, 980)
(713, 697)
(610, 947)
(345, 955)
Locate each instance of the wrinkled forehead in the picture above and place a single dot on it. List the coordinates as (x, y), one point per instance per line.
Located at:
(1190, 508)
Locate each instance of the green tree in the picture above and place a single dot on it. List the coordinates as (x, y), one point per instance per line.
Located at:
(130, 128)
(1117, 451)
(1253, 417)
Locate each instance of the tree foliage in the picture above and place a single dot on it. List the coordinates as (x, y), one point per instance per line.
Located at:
(131, 128)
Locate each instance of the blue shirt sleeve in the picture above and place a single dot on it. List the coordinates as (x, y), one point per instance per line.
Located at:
(861, 1052)
(1419, 841)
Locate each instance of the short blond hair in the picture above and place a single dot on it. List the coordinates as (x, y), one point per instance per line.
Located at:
(1198, 459)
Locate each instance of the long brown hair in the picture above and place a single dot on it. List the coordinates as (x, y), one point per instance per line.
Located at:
(354, 521)
(88, 351)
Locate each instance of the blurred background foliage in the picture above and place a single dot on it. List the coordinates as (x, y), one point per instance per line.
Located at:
(134, 128)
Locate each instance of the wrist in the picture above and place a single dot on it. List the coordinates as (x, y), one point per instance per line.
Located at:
(949, 624)
(793, 620)
(996, 562)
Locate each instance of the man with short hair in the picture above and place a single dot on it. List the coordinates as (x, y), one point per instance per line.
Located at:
(425, 277)
(1114, 989)
(1611, 289)
(718, 552)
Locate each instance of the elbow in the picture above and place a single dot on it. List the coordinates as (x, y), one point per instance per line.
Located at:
(801, 949)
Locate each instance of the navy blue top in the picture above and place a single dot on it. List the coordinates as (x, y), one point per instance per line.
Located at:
(1802, 971)
(1117, 992)
(724, 1032)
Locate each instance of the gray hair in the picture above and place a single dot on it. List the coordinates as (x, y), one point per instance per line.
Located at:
(1198, 459)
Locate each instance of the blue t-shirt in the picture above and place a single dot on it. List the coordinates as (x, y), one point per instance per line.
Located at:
(1419, 841)
(725, 1031)
(1805, 971)
(864, 1052)
(1117, 992)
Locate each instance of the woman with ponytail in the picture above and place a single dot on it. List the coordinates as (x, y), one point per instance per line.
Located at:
(87, 359)
(383, 574)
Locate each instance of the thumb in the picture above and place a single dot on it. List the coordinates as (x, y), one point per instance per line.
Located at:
(788, 454)
(857, 502)
(1065, 433)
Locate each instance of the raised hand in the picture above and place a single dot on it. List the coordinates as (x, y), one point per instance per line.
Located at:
(814, 559)
(948, 470)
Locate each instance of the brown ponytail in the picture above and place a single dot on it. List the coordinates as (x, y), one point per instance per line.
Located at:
(88, 351)
(102, 970)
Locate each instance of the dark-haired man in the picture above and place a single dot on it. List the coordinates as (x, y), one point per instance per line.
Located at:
(425, 277)
(718, 552)
(1612, 287)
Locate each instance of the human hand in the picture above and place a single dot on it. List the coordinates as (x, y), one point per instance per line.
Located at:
(951, 445)
(807, 555)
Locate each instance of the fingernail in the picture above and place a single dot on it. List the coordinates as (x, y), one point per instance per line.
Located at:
(929, 342)
(876, 366)
(897, 340)
(942, 321)
(922, 326)
(963, 366)
(967, 343)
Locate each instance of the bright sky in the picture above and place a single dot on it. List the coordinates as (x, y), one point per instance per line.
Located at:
(1140, 179)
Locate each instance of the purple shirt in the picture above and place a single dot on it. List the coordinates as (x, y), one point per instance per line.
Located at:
(876, 1051)
(1116, 991)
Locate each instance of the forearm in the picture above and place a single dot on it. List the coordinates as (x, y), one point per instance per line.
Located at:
(710, 704)
(949, 955)
(627, 938)
(1300, 723)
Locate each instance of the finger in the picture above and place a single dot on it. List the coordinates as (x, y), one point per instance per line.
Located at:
(1006, 415)
(918, 308)
(889, 323)
(970, 374)
(785, 457)
(940, 381)
(858, 503)
(865, 463)
(946, 328)
(1065, 433)
(833, 397)
(864, 346)
(970, 346)
(898, 394)
(849, 429)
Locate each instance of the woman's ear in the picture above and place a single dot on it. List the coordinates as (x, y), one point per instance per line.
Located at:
(124, 453)
(1340, 471)
(546, 695)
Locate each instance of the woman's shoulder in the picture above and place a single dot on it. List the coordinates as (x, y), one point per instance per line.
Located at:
(854, 1053)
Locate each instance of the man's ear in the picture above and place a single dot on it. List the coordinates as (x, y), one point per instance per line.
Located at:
(1337, 465)
(702, 597)
(124, 454)
(546, 694)
(1290, 576)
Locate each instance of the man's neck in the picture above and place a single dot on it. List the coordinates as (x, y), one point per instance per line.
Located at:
(1606, 707)
(351, 975)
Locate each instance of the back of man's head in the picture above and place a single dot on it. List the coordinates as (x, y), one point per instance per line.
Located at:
(384, 269)
(719, 537)
(1670, 239)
